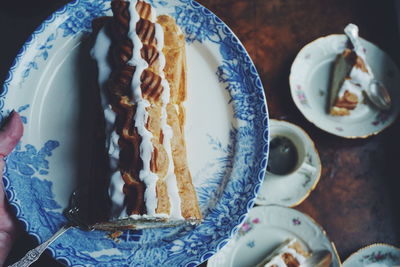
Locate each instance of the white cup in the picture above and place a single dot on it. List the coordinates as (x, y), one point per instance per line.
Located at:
(297, 137)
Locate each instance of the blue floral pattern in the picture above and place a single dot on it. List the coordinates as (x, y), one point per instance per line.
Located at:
(43, 54)
(24, 165)
(241, 166)
(80, 19)
(156, 3)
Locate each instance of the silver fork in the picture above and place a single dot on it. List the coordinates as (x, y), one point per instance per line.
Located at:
(74, 220)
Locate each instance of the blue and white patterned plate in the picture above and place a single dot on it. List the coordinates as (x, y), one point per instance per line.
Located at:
(375, 255)
(51, 84)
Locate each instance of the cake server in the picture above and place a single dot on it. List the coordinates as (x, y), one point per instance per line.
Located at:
(74, 220)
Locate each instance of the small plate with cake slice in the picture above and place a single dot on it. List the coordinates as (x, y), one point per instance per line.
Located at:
(328, 83)
(275, 234)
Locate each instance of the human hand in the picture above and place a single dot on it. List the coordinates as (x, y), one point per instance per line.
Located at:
(9, 137)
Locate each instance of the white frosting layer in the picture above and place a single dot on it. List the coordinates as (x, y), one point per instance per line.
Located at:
(278, 261)
(348, 85)
(100, 54)
(115, 190)
(141, 116)
(360, 77)
(359, 81)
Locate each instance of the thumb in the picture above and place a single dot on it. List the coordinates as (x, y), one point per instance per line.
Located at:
(6, 242)
(2, 197)
(11, 133)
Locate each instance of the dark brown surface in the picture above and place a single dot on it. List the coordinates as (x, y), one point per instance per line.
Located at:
(357, 199)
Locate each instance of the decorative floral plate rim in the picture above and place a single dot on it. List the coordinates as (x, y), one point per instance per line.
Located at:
(257, 218)
(245, 89)
(370, 250)
(313, 155)
(299, 97)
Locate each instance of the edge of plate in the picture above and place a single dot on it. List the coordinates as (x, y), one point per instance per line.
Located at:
(266, 122)
(28, 43)
(326, 235)
(360, 250)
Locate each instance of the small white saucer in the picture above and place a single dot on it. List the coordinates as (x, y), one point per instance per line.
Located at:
(290, 190)
(375, 255)
(265, 228)
(309, 83)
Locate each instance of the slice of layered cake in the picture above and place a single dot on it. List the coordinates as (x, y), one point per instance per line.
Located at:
(289, 254)
(142, 81)
(351, 75)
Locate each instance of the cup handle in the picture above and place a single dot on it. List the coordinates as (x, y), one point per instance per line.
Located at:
(307, 169)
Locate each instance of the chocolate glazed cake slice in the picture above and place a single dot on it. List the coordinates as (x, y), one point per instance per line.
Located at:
(142, 78)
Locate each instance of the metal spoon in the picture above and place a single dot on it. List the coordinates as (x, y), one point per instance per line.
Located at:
(379, 95)
(319, 258)
(74, 220)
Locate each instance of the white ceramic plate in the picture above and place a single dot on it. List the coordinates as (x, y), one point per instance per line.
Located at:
(52, 84)
(309, 83)
(292, 189)
(265, 228)
(376, 255)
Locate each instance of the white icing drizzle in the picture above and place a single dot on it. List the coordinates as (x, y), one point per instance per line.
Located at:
(350, 86)
(115, 190)
(360, 77)
(100, 54)
(359, 81)
(172, 186)
(141, 116)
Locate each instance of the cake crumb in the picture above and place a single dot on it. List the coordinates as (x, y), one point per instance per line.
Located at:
(115, 235)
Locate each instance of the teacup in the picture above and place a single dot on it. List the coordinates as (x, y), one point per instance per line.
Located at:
(290, 139)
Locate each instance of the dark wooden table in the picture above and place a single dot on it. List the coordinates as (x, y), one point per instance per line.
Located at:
(357, 200)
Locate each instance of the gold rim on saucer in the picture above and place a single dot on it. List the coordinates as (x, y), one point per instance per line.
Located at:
(307, 194)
